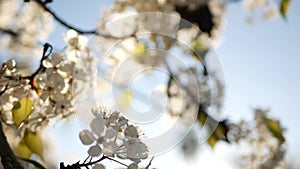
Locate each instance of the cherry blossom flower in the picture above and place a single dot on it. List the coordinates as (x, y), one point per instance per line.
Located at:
(111, 135)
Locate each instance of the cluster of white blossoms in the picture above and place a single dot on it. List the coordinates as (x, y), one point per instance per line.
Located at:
(150, 34)
(49, 87)
(111, 134)
(19, 89)
(260, 148)
(49, 90)
(24, 27)
(216, 9)
(265, 9)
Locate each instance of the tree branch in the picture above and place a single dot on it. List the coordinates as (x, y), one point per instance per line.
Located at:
(47, 51)
(69, 26)
(62, 21)
(8, 159)
(8, 31)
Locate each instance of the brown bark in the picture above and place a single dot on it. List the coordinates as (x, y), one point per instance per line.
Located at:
(8, 159)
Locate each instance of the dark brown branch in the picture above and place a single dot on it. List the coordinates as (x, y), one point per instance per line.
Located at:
(8, 159)
(101, 159)
(8, 31)
(46, 54)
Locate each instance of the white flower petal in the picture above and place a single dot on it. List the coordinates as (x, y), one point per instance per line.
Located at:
(136, 149)
(98, 166)
(86, 137)
(133, 166)
(98, 126)
(114, 117)
(110, 148)
(131, 131)
(111, 133)
(122, 121)
(95, 151)
(56, 59)
(71, 34)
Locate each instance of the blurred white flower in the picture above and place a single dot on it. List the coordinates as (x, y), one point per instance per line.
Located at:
(26, 37)
(76, 43)
(272, 12)
(74, 40)
(263, 9)
(8, 10)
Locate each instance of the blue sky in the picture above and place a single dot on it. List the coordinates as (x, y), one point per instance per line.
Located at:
(260, 61)
(261, 67)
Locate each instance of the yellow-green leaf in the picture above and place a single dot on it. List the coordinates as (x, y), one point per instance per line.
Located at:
(23, 151)
(220, 131)
(140, 49)
(202, 118)
(284, 7)
(212, 140)
(198, 47)
(21, 110)
(126, 98)
(34, 142)
(275, 128)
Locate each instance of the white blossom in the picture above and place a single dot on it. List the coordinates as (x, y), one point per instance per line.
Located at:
(86, 137)
(98, 166)
(131, 131)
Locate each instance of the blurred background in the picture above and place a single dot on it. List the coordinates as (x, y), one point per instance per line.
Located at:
(261, 67)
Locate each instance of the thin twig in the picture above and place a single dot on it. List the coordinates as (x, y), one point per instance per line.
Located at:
(101, 159)
(62, 21)
(78, 165)
(79, 30)
(46, 53)
(8, 31)
(150, 162)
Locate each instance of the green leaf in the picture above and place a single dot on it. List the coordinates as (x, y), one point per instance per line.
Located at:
(275, 128)
(126, 98)
(34, 142)
(198, 48)
(284, 7)
(212, 140)
(33, 162)
(21, 110)
(220, 132)
(202, 118)
(140, 49)
(23, 151)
